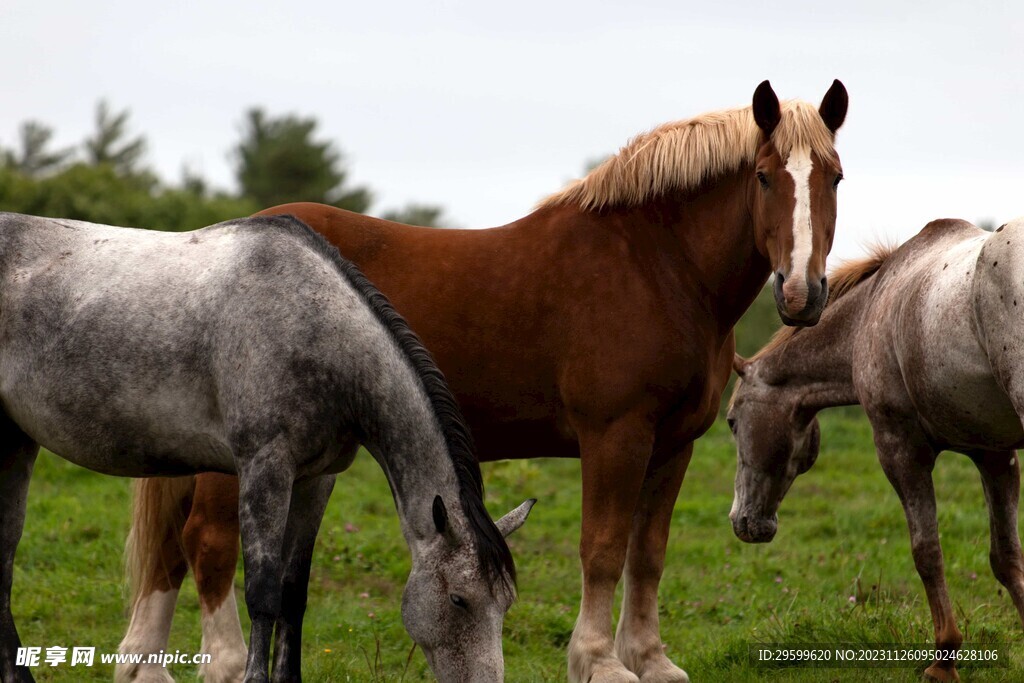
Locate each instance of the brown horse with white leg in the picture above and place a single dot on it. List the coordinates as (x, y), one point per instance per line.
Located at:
(927, 338)
(598, 327)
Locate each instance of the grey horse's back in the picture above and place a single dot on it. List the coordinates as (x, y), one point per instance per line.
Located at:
(126, 349)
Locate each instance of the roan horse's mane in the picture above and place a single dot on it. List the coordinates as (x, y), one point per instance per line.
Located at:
(841, 281)
(492, 550)
(683, 154)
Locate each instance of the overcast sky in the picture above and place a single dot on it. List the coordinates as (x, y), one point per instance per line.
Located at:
(486, 107)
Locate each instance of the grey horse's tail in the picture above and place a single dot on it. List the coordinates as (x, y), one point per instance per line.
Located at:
(158, 516)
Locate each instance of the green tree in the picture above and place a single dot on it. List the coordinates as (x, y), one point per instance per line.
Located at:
(278, 160)
(33, 157)
(110, 144)
(425, 215)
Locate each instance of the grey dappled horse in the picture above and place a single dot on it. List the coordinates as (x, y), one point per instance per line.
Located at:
(251, 347)
(927, 338)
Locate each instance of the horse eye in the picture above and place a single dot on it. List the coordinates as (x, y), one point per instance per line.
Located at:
(458, 601)
(763, 179)
(836, 182)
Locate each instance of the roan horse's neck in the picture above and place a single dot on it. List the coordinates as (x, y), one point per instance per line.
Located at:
(816, 363)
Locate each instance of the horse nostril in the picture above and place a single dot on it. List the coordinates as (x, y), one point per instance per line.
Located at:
(780, 277)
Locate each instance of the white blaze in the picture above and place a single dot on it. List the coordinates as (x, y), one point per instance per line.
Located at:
(799, 166)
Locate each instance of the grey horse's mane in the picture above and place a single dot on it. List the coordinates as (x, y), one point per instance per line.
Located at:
(492, 550)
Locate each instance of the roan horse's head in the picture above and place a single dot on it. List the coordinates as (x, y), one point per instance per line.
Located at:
(793, 188)
(775, 442)
(452, 606)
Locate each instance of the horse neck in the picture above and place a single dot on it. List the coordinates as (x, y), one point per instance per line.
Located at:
(714, 230)
(817, 362)
(401, 430)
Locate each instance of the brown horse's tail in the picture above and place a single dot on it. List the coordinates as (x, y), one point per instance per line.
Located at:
(159, 510)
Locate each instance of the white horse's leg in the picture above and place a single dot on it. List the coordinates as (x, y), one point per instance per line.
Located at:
(908, 463)
(1000, 476)
(638, 639)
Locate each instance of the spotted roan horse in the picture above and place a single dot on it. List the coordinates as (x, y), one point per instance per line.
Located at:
(598, 327)
(927, 339)
(248, 347)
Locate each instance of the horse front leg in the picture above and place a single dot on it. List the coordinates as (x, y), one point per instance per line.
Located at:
(638, 638)
(614, 460)
(265, 487)
(908, 463)
(309, 501)
(210, 538)
(1000, 478)
(17, 456)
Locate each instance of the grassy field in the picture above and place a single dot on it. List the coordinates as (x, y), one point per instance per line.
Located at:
(839, 569)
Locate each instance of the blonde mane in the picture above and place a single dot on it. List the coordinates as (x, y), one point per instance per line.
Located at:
(683, 154)
(841, 281)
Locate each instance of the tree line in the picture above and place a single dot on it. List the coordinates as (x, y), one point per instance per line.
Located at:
(104, 179)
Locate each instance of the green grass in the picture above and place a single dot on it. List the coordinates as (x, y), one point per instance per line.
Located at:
(841, 533)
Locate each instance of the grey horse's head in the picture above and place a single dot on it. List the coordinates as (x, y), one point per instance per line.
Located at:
(452, 606)
(776, 440)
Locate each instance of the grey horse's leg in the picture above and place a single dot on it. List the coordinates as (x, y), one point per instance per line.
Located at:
(1000, 477)
(309, 500)
(17, 456)
(265, 487)
(908, 463)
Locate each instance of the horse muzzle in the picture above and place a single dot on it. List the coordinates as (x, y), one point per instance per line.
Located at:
(800, 304)
(755, 529)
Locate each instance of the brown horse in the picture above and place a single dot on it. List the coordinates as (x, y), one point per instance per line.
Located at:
(599, 327)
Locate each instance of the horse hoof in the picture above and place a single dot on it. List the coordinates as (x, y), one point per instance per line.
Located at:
(619, 674)
(937, 673)
(673, 675)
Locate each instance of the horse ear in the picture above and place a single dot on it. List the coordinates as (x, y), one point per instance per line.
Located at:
(514, 519)
(440, 515)
(767, 112)
(833, 106)
(739, 364)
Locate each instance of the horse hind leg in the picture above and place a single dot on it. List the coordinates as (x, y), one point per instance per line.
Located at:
(1000, 478)
(17, 456)
(210, 538)
(908, 467)
(156, 566)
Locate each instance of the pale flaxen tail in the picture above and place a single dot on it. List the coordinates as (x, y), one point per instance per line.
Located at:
(159, 510)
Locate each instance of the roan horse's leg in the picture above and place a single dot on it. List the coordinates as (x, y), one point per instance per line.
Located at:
(265, 488)
(17, 456)
(1000, 477)
(614, 461)
(210, 538)
(908, 463)
(638, 638)
(309, 500)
